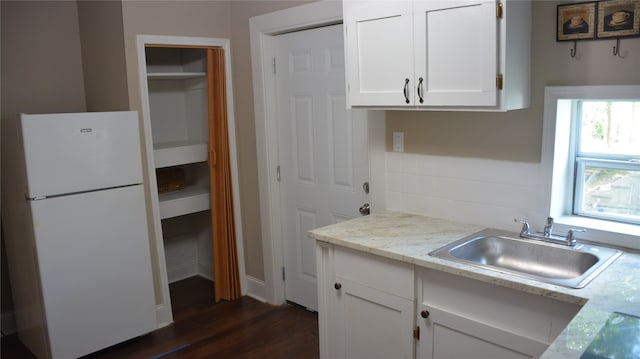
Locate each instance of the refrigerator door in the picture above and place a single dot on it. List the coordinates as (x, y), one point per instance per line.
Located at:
(76, 152)
(93, 255)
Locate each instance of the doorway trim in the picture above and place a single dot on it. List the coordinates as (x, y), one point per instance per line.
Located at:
(164, 313)
(263, 29)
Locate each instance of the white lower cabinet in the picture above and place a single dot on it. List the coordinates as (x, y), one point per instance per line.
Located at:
(460, 317)
(371, 323)
(366, 305)
(447, 335)
(375, 307)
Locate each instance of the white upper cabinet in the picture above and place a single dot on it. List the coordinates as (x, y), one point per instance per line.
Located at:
(455, 51)
(462, 55)
(379, 53)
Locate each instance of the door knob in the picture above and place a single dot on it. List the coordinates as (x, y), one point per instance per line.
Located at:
(425, 314)
(337, 286)
(364, 210)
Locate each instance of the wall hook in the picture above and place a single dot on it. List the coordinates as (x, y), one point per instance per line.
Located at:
(616, 48)
(573, 51)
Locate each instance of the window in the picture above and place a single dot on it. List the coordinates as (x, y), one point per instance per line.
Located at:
(607, 159)
(590, 161)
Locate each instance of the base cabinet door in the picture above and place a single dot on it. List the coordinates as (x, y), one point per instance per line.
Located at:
(366, 305)
(445, 335)
(371, 323)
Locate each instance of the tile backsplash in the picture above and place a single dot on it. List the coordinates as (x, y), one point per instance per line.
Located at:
(489, 193)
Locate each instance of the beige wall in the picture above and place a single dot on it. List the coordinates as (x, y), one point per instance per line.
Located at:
(41, 72)
(103, 61)
(41, 60)
(517, 135)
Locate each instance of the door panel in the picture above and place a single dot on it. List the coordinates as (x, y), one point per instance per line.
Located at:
(448, 335)
(461, 67)
(305, 249)
(302, 112)
(372, 323)
(379, 53)
(341, 134)
(322, 149)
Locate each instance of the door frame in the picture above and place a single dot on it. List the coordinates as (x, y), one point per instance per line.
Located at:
(164, 313)
(263, 29)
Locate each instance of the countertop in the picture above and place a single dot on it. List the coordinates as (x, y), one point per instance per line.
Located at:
(410, 238)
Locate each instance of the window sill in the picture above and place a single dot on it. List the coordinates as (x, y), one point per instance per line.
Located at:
(601, 231)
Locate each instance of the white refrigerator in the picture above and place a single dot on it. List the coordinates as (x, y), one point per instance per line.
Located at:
(87, 282)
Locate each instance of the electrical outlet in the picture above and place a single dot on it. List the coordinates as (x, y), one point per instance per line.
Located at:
(398, 141)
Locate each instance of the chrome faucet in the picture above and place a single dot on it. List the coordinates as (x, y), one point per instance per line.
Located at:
(547, 235)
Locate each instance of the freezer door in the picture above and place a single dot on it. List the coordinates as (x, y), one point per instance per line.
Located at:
(93, 255)
(76, 152)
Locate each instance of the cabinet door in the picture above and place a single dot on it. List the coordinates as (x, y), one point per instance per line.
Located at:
(455, 52)
(378, 41)
(370, 323)
(446, 335)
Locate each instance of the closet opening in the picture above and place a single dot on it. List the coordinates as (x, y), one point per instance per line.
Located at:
(188, 114)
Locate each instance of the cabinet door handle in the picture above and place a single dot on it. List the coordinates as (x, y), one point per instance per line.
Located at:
(425, 314)
(420, 94)
(337, 286)
(406, 90)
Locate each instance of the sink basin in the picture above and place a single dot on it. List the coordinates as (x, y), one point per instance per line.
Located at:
(572, 267)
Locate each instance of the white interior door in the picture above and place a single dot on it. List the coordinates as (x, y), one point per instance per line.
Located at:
(322, 150)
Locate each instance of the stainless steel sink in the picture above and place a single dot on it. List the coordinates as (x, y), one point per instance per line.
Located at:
(572, 267)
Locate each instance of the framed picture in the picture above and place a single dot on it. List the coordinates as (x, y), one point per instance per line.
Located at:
(618, 18)
(576, 21)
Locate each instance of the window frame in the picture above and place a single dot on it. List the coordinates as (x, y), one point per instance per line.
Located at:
(558, 164)
(580, 164)
(595, 159)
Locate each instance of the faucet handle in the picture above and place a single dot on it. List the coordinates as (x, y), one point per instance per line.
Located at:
(526, 228)
(571, 239)
(548, 227)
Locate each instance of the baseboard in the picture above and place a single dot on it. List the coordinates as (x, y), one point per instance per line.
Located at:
(8, 323)
(256, 289)
(164, 316)
(206, 270)
(180, 271)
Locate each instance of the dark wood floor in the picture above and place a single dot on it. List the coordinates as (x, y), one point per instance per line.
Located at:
(245, 328)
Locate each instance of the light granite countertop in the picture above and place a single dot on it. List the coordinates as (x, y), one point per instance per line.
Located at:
(410, 238)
